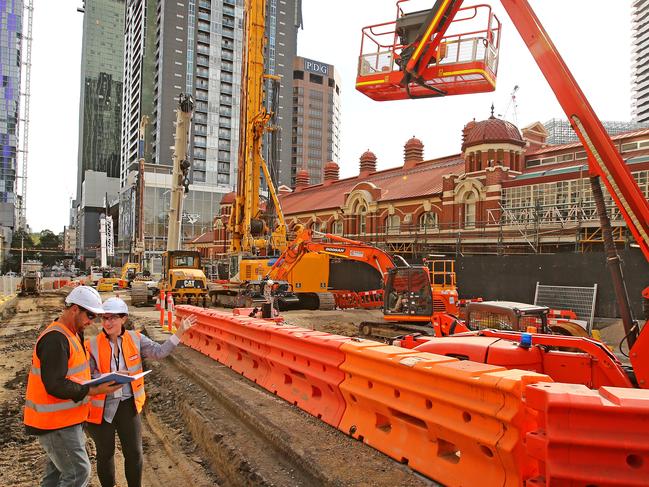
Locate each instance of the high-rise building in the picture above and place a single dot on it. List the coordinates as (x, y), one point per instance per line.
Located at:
(100, 111)
(195, 47)
(100, 115)
(11, 14)
(640, 61)
(192, 47)
(316, 118)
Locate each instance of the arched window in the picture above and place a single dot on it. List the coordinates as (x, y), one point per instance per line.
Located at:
(393, 224)
(470, 201)
(337, 227)
(323, 227)
(427, 221)
(362, 220)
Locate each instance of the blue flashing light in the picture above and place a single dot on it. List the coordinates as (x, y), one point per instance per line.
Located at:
(526, 340)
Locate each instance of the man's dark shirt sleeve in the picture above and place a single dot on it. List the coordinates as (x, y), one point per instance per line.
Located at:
(53, 351)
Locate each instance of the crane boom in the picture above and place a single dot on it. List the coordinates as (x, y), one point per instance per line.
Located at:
(179, 175)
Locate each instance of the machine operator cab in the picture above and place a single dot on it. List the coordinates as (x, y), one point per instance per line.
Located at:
(408, 294)
(507, 316)
(439, 51)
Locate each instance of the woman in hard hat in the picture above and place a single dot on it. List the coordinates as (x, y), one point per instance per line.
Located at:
(117, 349)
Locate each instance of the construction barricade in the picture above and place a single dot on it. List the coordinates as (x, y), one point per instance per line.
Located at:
(305, 370)
(459, 422)
(587, 437)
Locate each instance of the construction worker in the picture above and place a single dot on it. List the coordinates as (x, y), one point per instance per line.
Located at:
(116, 349)
(56, 403)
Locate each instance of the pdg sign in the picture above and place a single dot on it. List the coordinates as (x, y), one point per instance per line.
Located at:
(315, 67)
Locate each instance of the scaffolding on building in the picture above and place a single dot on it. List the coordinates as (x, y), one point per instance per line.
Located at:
(560, 132)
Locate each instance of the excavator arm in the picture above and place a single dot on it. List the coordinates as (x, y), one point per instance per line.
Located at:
(335, 246)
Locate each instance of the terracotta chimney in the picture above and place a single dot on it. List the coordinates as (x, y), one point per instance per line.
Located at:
(413, 153)
(367, 163)
(331, 172)
(301, 179)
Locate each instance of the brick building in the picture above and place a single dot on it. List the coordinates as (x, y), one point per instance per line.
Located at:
(506, 192)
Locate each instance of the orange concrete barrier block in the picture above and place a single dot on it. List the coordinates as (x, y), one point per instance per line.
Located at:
(305, 370)
(588, 437)
(458, 422)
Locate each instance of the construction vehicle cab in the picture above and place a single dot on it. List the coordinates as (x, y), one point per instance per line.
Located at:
(183, 276)
(446, 50)
(128, 275)
(507, 315)
(108, 281)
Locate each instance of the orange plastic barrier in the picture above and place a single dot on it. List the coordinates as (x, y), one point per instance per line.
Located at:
(588, 437)
(459, 422)
(241, 343)
(305, 370)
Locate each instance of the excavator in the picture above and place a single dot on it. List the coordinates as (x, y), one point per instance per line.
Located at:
(259, 248)
(182, 273)
(421, 55)
(327, 271)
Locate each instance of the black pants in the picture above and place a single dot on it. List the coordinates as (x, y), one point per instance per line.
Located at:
(128, 425)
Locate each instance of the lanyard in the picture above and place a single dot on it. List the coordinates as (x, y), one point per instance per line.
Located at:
(116, 356)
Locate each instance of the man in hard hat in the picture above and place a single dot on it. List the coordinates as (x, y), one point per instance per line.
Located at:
(57, 403)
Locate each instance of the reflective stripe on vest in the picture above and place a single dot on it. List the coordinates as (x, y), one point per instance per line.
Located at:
(100, 349)
(48, 412)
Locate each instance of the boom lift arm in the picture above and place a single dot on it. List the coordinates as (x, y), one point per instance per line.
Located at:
(337, 247)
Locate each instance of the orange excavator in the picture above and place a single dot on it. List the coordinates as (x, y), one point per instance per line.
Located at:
(413, 56)
(326, 271)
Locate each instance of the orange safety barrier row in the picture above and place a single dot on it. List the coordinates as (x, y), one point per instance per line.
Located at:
(458, 422)
(588, 437)
(297, 364)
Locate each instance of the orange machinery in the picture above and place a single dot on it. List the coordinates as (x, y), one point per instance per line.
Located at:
(326, 270)
(566, 359)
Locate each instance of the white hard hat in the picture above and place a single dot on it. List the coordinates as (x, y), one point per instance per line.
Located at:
(115, 306)
(270, 282)
(85, 297)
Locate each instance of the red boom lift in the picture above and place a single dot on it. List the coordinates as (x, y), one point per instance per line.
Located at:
(414, 65)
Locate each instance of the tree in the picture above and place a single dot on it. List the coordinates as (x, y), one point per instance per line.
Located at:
(20, 239)
(51, 248)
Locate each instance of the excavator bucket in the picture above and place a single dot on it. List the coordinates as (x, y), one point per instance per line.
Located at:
(442, 51)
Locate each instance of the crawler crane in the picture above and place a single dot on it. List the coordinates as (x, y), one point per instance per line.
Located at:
(424, 54)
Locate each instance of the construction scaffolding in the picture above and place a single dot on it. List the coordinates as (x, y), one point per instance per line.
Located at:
(560, 131)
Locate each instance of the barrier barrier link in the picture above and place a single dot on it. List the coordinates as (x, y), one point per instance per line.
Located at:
(587, 437)
(240, 343)
(459, 422)
(305, 370)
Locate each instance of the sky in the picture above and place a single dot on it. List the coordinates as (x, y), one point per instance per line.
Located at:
(592, 37)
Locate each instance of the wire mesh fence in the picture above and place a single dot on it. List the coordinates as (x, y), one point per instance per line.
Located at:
(581, 300)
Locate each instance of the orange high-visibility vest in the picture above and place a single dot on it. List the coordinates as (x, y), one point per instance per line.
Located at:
(45, 411)
(99, 348)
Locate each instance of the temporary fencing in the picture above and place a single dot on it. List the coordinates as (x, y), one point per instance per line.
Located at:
(588, 437)
(458, 422)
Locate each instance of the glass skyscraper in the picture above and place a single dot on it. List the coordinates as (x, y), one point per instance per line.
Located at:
(11, 12)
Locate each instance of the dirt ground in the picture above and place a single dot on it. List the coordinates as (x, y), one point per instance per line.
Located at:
(204, 425)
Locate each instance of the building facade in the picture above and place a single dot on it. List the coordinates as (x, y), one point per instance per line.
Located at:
(506, 192)
(100, 112)
(11, 14)
(316, 118)
(640, 61)
(191, 47)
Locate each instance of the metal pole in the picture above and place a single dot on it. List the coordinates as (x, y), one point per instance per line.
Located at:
(22, 252)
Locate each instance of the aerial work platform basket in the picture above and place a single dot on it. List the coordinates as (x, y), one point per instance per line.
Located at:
(445, 50)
